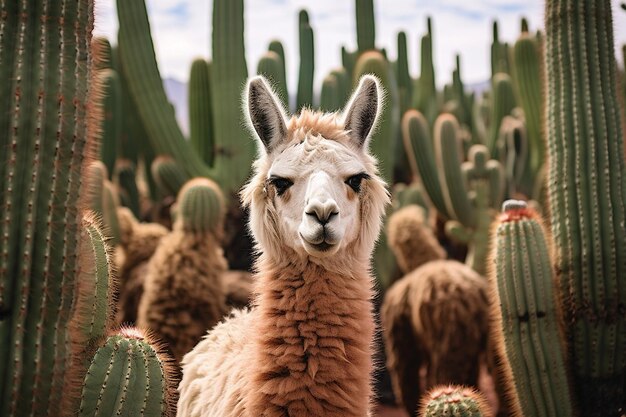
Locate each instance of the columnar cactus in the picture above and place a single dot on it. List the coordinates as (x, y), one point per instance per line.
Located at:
(168, 175)
(587, 190)
(304, 97)
(499, 53)
(144, 82)
(125, 180)
(405, 83)
(329, 97)
(454, 401)
(425, 97)
(526, 303)
(365, 25)
(111, 117)
(272, 67)
(201, 133)
(502, 103)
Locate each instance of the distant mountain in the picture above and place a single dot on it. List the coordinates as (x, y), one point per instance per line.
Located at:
(177, 94)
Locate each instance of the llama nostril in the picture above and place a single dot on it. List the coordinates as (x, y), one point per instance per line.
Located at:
(321, 217)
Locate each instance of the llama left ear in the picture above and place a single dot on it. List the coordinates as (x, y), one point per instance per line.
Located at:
(265, 113)
(361, 110)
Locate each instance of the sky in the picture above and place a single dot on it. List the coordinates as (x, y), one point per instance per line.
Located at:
(181, 30)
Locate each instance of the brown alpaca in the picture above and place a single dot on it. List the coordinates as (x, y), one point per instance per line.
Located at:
(436, 317)
(183, 291)
(316, 204)
(138, 241)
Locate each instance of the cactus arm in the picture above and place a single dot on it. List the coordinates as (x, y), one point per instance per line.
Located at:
(421, 154)
(365, 25)
(144, 81)
(307, 63)
(200, 114)
(448, 157)
(502, 103)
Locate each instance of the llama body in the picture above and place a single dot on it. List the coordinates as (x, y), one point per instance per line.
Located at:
(316, 203)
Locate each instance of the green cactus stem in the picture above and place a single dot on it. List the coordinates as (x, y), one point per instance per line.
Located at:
(587, 191)
(329, 97)
(125, 180)
(405, 83)
(502, 103)
(271, 66)
(200, 206)
(365, 25)
(529, 331)
(344, 85)
(454, 401)
(111, 126)
(425, 96)
(127, 376)
(45, 58)
(527, 76)
(201, 133)
(499, 53)
(136, 51)
(168, 175)
(281, 79)
(304, 97)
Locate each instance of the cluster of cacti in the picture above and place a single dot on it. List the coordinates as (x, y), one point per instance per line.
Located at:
(55, 276)
(184, 295)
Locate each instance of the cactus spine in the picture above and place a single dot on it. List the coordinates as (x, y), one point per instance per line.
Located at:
(200, 113)
(307, 63)
(526, 303)
(587, 191)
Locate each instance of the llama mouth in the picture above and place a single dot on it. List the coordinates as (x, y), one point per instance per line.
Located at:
(322, 246)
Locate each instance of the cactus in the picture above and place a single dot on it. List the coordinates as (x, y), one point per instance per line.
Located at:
(464, 101)
(526, 66)
(453, 401)
(187, 264)
(329, 97)
(425, 97)
(499, 54)
(365, 25)
(587, 191)
(405, 83)
(201, 123)
(304, 97)
(281, 80)
(502, 103)
(101, 198)
(344, 84)
(168, 175)
(529, 331)
(272, 67)
(144, 82)
(111, 117)
(127, 376)
(101, 48)
(404, 195)
(348, 60)
(124, 177)
(373, 62)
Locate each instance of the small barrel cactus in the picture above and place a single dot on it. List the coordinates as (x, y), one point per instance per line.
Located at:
(200, 206)
(454, 401)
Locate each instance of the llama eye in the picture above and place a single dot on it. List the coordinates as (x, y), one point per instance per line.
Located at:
(281, 184)
(355, 181)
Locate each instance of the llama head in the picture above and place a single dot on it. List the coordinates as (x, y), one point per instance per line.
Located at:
(316, 190)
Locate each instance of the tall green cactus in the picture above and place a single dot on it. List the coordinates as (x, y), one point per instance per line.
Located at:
(405, 83)
(144, 82)
(329, 97)
(44, 68)
(526, 66)
(587, 190)
(304, 97)
(529, 329)
(499, 53)
(365, 25)
(425, 97)
(201, 133)
(502, 103)
(272, 67)
(200, 206)
(111, 117)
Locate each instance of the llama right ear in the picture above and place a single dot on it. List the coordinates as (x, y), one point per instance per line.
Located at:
(362, 110)
(265, 113)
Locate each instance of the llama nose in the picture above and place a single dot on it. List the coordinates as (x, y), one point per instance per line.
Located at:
(322, 211)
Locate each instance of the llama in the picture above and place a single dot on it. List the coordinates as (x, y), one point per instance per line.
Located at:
(316, 204)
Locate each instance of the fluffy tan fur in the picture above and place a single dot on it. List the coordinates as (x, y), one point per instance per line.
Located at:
(436, 317)
(411, 240)
(305, 348)
(138, 241)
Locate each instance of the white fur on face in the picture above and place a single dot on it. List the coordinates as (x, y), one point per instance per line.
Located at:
(318, 169)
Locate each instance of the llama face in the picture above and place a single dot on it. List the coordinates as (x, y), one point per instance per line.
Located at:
(316, 188)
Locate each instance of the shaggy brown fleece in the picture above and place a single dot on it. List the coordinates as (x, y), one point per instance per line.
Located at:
(138, 241)
(183, 293)
(411, 240)
(436, 317)
(306, 348)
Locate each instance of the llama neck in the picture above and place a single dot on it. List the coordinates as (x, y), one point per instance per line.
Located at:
(312, 343)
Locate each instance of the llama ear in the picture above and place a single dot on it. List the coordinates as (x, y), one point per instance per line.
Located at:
(265, 113)
(362, 110)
